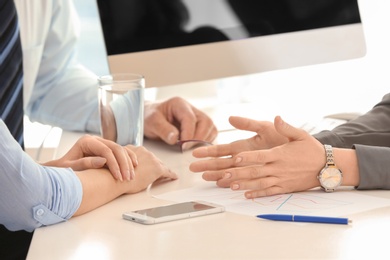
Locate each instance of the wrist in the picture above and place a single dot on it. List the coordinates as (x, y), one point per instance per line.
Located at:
(101, 182)
(346, 160)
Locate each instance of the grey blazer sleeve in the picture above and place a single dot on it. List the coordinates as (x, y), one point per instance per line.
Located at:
(372, 128)
(374, 167)
(369, 134)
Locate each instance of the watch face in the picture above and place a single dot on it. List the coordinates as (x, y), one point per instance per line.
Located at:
(330, 177)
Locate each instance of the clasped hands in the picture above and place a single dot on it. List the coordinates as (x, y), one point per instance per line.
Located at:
(278, 159)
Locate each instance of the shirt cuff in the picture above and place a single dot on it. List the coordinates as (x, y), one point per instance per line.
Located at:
(46, 217)
(65, 194)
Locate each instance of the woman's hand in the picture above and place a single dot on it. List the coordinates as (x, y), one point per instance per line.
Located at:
(99, 187)
(92, 152)
(265, 137)
(291, 166)
(149, 170)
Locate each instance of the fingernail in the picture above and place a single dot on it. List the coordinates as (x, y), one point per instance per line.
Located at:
(171, 137)
(99, 161)
(185, 146)
(281, 121)
(238, 160)
(227, 175)
(132, 174)
(235, 187)
(128, 175)
(119, 175)
(248, 195)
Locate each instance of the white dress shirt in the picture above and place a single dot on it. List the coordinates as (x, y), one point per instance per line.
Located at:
(58, 90)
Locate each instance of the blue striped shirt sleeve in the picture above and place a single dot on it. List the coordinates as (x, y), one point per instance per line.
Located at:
(32, 195)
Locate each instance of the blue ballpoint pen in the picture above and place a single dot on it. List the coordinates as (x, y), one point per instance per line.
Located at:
(300, 218)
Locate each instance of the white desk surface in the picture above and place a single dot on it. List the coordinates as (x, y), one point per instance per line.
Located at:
(103, 234)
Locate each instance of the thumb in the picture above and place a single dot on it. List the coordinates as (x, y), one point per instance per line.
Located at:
(288, 131)
(96, 162)
(160, 128)
(168, 132)
(87, 163)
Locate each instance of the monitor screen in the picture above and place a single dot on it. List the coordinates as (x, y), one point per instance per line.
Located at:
(173, 42)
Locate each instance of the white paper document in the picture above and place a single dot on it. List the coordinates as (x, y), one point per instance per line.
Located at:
(314, 202)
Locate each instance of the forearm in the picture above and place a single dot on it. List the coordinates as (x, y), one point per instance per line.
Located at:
(76, 88)
(99, 188)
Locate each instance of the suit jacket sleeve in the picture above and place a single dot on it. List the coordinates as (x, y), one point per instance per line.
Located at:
(369, 134)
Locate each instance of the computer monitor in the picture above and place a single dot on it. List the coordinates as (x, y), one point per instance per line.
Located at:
(173, 42)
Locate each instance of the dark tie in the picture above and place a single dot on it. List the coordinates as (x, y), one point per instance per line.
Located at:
(11, 71)
(13, 245)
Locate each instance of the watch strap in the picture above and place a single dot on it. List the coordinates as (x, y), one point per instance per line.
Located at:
(329, 155)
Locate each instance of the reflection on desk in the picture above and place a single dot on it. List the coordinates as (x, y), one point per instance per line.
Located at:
(103, 234)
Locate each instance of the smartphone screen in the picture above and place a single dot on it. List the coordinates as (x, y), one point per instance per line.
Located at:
(173, 212)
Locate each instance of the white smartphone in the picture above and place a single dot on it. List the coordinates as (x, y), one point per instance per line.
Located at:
(173, 212)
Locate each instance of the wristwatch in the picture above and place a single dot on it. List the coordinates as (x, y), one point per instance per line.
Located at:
(330, 176)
